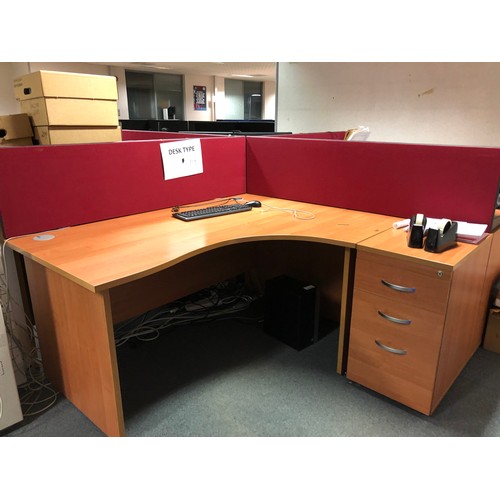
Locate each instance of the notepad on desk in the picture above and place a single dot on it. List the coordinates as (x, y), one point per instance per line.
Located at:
(471, 233)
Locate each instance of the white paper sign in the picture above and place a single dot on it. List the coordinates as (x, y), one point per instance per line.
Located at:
(181, 158)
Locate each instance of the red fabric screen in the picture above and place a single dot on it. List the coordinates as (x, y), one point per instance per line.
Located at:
(454, 182)
(337, 136)
(147, 135)
(47, 187)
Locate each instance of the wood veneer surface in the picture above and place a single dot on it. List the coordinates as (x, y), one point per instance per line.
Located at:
(116, 251)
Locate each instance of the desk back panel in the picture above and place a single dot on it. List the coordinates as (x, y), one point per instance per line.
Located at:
(144, 135)
(147, 135)
(48, 187)
(336, 136)
(399, 180)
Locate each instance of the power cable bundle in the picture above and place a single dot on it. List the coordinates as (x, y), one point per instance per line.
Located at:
(36, 394)
(222, 301)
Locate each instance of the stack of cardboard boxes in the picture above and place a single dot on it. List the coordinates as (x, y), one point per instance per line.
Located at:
(68, 108)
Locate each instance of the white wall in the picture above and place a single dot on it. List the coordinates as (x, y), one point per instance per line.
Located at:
(435, 103)
(8, 103)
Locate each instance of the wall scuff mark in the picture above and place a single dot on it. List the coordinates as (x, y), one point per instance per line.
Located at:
(427, 92)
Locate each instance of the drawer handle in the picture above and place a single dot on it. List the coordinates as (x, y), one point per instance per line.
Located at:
(400, 352)
(395, 320)
(399, 288)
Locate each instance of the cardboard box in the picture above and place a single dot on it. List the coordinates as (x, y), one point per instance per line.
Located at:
(76, 135)
(63, 84)
(492, 335)
(22, 141)
(15, 127)
(71, 112)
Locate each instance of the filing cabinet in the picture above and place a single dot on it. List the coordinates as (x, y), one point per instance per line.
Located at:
(409, 316)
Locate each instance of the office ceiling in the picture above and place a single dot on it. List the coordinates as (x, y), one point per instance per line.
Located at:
(262, 71)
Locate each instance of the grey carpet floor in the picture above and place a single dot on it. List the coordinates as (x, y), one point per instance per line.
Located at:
(228, 378)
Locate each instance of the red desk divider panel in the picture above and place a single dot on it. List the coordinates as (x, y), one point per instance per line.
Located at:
(336, 136)
(144, 135)
(399, 180)
(147, 135)
(48, 187)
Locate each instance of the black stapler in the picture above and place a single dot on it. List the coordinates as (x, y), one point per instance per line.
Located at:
(416, 231)
(442, 237)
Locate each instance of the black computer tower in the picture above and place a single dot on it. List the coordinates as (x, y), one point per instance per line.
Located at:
(291, 311)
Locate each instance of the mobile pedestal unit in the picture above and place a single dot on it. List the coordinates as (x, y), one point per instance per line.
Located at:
(417, 317)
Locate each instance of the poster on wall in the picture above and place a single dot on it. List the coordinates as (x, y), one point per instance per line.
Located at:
(200, 97)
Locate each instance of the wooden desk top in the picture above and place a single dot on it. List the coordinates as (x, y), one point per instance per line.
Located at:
(394, 241)
(104, 254)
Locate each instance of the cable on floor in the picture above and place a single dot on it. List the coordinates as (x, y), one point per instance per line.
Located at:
(36, 394)
(222, 301)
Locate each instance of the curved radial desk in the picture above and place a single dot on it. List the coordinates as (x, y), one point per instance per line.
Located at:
(85, 279)
(89, 277)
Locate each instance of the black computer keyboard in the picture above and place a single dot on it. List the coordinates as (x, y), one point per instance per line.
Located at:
(204, 213)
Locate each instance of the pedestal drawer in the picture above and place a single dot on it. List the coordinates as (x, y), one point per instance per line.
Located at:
(417, 284)
(394, 349)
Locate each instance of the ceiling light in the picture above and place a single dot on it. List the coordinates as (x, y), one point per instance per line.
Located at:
(151, 65)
